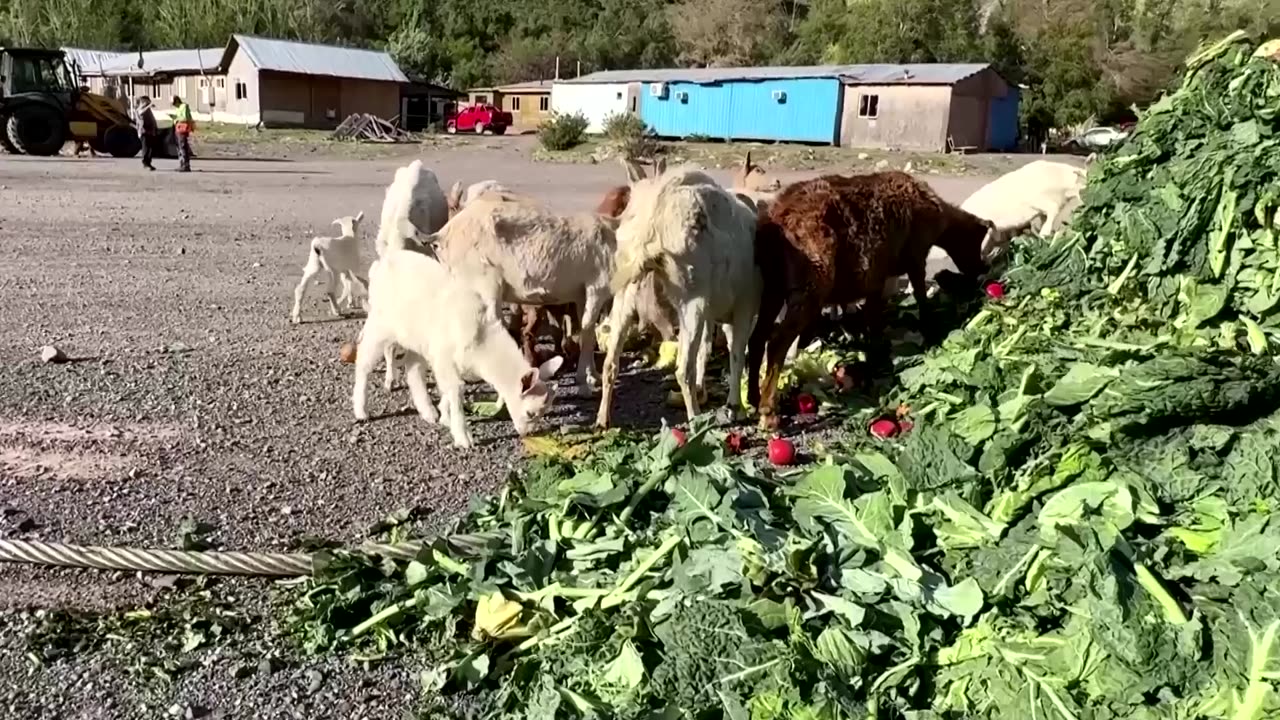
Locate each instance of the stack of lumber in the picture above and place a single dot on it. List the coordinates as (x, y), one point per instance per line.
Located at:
(370, 128)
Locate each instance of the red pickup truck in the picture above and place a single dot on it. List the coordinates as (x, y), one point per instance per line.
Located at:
(478, 119)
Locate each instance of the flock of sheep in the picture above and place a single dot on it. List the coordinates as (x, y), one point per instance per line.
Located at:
(674, 251)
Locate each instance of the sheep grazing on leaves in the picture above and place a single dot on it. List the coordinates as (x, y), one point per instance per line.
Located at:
(516, 251)
(440, 321)
(333, 259)
(835, 240)
(695, 238)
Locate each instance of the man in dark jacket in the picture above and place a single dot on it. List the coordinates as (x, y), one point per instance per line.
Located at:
(146, 130)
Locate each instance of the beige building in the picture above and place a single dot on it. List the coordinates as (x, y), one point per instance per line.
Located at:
(281, 83)
(528, 102)
(253, 80)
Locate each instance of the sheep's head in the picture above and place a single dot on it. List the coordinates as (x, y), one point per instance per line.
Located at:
(537, 394)
(350, 224)
(750, 176)
(963, 240)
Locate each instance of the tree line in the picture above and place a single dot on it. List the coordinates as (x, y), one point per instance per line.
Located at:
(1078, 59)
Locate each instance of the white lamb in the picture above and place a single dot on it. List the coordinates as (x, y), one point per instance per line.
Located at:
(420, 305)
(698, 240)
(334, 258)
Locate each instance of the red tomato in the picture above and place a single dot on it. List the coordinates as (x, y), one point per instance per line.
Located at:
(781, 451)
(884, 428)
(995, 291)
(735, 441)
(679, 436)
(806, 404)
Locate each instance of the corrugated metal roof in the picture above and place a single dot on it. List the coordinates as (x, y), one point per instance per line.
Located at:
(91, 61)
(311, 59)
(162, 62)
(882, 74)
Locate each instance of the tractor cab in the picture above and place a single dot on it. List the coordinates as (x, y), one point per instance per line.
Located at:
(42, 106)
(25, 71)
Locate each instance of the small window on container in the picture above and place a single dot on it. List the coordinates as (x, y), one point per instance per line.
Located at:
(869, 106)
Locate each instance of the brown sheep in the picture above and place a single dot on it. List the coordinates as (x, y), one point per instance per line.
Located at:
(835, 240)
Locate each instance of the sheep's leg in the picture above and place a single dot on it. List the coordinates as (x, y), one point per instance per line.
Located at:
(692, 326)
(798, 313)
(389, 362)
(413, 376)
(309, 271)
(1050, 217)
(704, 352)
(588, 377)
(372, 340)
(916, 274)
(449, 383)
(761, 336)
(620, 321)
(877, 345)
(329, 281)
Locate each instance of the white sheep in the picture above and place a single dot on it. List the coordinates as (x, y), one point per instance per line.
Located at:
(334, 258)
(698, 240)
(514, 250)
(425, 308)
(414, 205)
(1040, 190)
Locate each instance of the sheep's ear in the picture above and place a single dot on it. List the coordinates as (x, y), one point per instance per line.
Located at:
(746, 163)
(548, 369)
(529, 381)
(635, 173)
(455, 196)
(359, 216)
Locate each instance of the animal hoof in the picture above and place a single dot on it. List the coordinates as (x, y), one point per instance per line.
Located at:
(295, 319)
(728, 415)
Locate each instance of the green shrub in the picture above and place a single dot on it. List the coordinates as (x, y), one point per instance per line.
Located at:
(563, 132)
(628, 136)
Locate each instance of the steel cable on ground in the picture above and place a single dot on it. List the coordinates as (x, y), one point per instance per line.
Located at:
(179, 561)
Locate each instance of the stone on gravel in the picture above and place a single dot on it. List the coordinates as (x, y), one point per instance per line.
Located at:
(51, 354)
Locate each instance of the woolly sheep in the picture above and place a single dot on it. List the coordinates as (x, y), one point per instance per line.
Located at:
(835, 240)
(457, 338)
(333, 258)
(696, 238)
(516, 251)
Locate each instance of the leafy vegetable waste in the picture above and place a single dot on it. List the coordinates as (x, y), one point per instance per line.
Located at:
(1080, 524)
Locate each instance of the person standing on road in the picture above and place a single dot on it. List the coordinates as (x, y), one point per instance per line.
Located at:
(182, 125)
(146, 130)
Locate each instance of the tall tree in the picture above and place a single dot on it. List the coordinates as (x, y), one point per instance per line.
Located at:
(728, 33)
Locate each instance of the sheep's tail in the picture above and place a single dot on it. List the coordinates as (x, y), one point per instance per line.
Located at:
(396, 204)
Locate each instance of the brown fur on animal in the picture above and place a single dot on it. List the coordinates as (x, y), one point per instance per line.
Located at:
(835, 240)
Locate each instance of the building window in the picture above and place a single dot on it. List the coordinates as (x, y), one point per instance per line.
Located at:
(544, 103)
(220, 82)
(482, 99)
(515, 104)
(619, 96)
(242, 90)
(635, 103)
(869, 106)
(204, 82)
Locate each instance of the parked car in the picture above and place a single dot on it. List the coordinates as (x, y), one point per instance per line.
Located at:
(478, 119)
(1097, 139)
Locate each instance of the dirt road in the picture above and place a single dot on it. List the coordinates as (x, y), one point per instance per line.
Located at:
(191, 396)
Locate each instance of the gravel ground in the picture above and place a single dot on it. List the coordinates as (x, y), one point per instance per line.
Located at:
(190, 395)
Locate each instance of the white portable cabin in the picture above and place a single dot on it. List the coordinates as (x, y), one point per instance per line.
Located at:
(595, 101)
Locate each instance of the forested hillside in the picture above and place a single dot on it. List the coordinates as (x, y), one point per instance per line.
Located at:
(1079, 57)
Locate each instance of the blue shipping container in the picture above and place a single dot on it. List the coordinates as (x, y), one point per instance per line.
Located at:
(801, 110)
(1002, 126)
